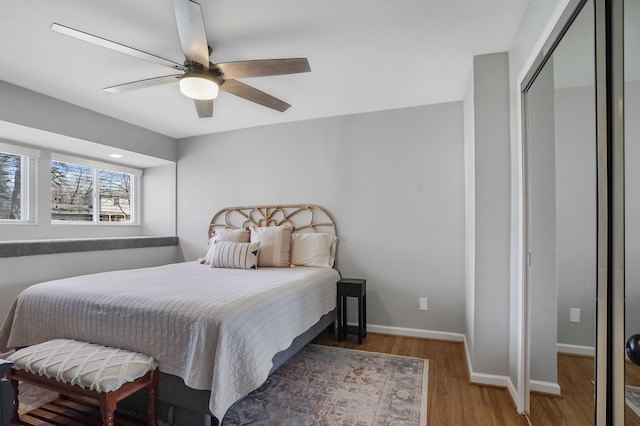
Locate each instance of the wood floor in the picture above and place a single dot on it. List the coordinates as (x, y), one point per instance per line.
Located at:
(576, 405)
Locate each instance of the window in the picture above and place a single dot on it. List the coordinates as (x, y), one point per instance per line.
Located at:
(84, 191)
(17, 184)
(115, 199)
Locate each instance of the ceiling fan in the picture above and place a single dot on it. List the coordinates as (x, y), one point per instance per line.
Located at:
(200, 79)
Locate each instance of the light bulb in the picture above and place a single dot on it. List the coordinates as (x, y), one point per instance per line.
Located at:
(198, 85)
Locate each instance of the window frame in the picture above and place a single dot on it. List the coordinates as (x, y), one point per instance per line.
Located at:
(29, 177)
(134, 198)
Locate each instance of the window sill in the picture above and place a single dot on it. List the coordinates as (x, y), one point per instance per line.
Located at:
(39, 247)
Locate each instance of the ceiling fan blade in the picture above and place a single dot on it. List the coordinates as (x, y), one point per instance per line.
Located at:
(204, 107)
(254, 95)
(263, 67)
(141, 84)
(191, 30)
(115, 46)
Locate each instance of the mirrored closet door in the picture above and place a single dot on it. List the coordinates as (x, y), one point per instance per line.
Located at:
(632, 204)
(559, 104)
(583, 227)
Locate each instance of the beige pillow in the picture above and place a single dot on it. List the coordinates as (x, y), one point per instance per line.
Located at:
(312, 249)
(230, 235)
(274, 242)
(233, 235)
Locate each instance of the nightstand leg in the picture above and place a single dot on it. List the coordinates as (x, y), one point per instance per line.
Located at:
(339, 306)
(364, 309)
(360, 319)
(344, 316)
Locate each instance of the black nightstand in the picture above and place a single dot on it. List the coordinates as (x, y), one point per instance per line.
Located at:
(352, 287)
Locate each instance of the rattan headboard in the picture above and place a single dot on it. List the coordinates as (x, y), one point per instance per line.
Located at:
(303, 217)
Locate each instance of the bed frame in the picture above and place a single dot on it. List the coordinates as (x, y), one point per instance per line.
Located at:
(181, 405)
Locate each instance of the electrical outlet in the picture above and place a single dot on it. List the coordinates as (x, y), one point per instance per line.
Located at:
(423, 304)
(574, 315)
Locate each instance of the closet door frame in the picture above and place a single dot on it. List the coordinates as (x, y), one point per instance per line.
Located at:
(609, 25)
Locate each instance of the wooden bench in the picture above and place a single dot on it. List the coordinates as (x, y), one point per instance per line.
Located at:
(81, 369)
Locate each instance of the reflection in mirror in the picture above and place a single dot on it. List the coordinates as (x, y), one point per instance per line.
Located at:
(562, 229)
(632, 201)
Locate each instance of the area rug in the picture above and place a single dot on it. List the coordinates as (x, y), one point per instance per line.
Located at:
(632, 398)
(32, 397)
(325, 385)
(320, 386)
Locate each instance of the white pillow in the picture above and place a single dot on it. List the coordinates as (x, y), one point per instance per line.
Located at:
(312, 249)
(234, 235)
(231, 235)
(227, 254)
(274, 245)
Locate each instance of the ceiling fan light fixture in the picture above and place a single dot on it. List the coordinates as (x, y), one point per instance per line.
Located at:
(198, 84)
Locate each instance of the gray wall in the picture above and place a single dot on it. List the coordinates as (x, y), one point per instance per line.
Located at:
(490, 351)
(159, 200)
(576, 224)
(540, 151)
(35, 110)
(392, 180)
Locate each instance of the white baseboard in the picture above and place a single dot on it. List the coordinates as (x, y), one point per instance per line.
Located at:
(513, 392)
(414, 332)
(576, 350)
(544, 387)
(476, 378)
(487, 379)
(490, 380)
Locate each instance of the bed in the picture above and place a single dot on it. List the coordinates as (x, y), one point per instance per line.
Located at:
(216, 332)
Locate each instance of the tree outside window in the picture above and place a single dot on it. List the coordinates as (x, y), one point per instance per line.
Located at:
(71, 192)
(115, 196)
(10, 186)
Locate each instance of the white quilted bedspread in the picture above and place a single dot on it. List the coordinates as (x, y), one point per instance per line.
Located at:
(217, 329)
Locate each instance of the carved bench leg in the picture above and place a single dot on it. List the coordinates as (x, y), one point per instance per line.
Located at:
(107, 409)
(152, 394)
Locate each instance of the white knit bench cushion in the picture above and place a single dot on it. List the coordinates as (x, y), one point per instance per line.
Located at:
(90, 366)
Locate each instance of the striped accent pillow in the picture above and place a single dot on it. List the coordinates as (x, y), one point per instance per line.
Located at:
(233, 235)
(228, 254)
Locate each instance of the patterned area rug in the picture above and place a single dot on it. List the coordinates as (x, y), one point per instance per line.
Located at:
(324, 385)
(32, 397)
(632, 398)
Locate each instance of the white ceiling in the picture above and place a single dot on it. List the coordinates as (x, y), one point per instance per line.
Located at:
(365, 55)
